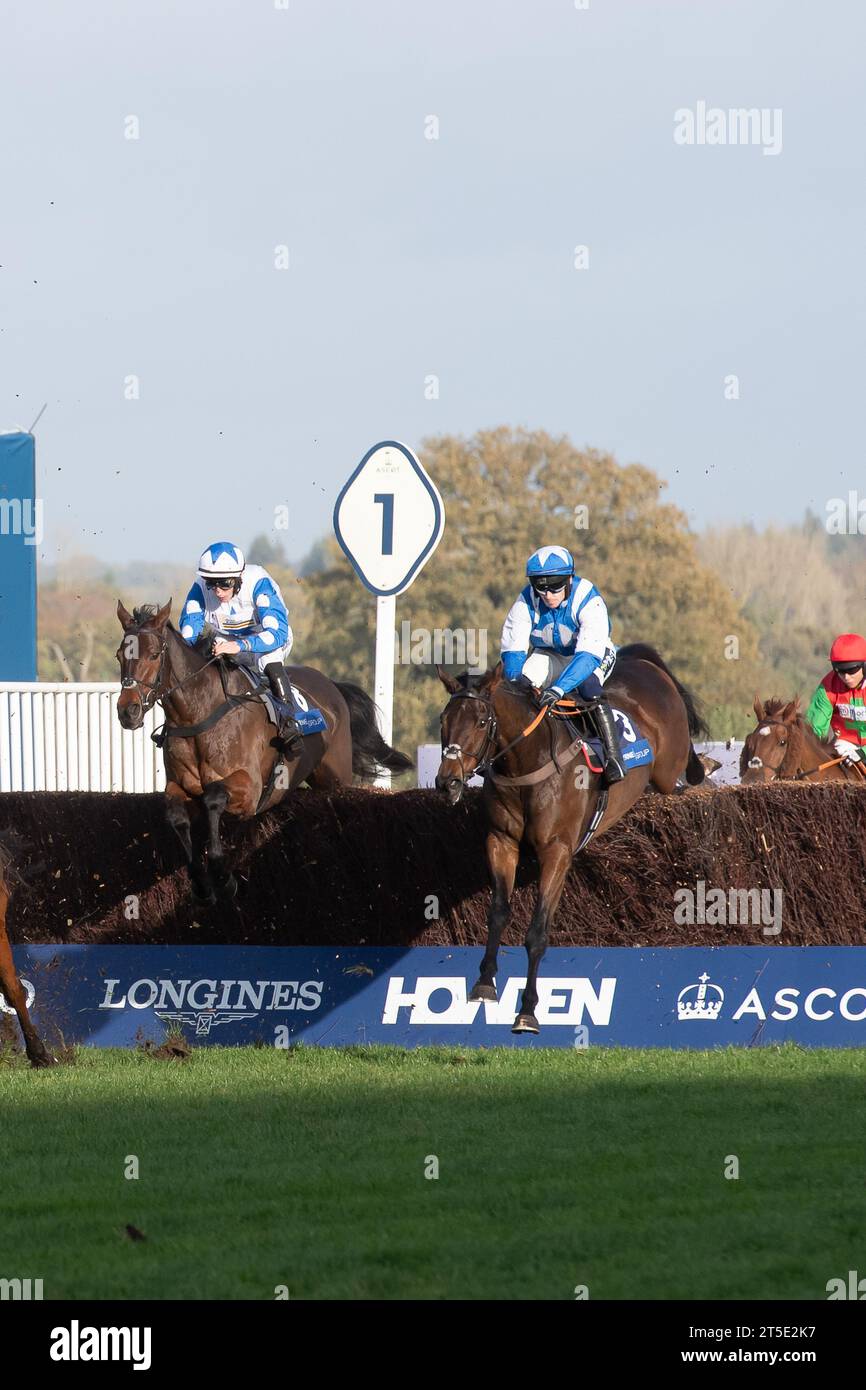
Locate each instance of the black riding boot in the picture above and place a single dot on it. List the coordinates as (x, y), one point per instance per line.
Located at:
(281, 689)
(614, 769)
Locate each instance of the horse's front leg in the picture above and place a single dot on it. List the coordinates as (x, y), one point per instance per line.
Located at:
(554, 859)
(215, 798)
(13, 992)
(503, 853)
(178, 807)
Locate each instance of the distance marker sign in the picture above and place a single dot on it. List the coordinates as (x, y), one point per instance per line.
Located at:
(389, 518)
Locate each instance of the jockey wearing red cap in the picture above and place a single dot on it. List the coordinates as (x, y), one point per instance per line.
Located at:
(839, 703)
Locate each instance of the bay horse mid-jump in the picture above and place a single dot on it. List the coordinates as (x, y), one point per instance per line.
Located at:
(221, 752)
(540, 793)
(10, 986)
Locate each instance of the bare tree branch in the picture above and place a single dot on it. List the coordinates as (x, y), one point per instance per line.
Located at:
(64, 664)
(88, 652)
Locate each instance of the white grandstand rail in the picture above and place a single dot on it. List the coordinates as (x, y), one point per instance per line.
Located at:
(60, 736)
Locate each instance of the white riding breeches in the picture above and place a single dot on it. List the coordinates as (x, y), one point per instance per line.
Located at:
(543, 668)
(261, 659)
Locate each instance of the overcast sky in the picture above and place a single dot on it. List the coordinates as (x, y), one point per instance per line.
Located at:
(306, 127)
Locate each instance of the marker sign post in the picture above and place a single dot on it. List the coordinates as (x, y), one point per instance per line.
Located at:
(388, 521)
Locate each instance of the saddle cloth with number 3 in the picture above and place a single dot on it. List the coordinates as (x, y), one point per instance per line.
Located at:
(636, 751)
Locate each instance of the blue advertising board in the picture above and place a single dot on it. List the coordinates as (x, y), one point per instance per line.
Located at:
(20, 536)
(693, 997)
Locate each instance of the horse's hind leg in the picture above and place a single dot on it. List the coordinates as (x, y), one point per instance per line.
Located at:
(502, 856)
(335, 768)
(555, 860)
(178, 807)
(13, 992)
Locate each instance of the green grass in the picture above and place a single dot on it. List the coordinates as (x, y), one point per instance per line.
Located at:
(261, 1167)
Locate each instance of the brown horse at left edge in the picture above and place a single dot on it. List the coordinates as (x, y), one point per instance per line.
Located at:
(10, 986)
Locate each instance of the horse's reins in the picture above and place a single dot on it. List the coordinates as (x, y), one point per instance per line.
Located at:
(555, 764)
(484, 764)
(167, 730)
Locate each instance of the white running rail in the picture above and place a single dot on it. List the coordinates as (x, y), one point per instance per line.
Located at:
(66, 737)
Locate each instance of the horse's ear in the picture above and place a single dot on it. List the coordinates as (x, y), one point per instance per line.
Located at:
(450, 684)
(791, 711)
(492, 679)
(125, 617)
(759, 709)
(163, 615)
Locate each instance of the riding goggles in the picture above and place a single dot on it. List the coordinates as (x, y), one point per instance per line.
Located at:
(847, 668)
(221, 583)
(549, 583)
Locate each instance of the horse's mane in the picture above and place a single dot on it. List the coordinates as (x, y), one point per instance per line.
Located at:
(775, 706)
(469, 681)
(201, 646)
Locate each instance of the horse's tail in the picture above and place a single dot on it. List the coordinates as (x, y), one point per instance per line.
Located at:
(695, 770)
(370, 752)
(642, 651)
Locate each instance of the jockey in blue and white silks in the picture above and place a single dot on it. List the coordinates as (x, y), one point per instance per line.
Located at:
(246, 607)
(557, 638)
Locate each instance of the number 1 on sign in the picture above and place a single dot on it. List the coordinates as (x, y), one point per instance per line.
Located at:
(387, 502)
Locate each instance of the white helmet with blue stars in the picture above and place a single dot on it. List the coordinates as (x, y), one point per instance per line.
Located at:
(222, 560)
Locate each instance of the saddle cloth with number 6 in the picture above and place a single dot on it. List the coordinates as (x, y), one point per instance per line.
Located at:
(310, 720)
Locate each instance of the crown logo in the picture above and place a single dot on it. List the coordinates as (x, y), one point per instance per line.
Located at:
(693, 1001)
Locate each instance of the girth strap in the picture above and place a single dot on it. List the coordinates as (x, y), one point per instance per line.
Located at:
(231, 702)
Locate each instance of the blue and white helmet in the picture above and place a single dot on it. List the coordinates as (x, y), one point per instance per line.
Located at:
(550, 562)
(222, 560)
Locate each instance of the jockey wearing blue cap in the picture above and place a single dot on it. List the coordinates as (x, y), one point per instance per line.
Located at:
(557, 636)
(246, 607)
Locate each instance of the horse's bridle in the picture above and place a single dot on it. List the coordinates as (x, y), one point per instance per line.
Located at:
(147, 703)
(485, 762)
(756, 762)
(454, 750)
(127, 682)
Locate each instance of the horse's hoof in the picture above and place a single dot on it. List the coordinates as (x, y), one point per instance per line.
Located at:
(480, 991)
(526, 1023)
(229, 886)
(41, 1059)
(202, 899)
